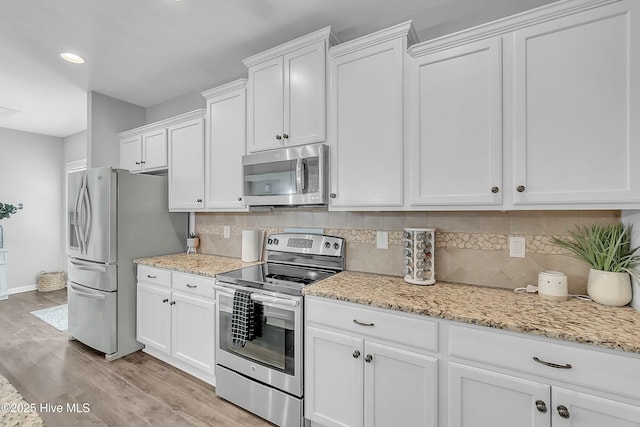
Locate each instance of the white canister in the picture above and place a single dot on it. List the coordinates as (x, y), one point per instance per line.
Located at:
(552, 285)
(251, 245)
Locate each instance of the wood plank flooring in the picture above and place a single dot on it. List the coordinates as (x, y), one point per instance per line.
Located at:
(136, 390)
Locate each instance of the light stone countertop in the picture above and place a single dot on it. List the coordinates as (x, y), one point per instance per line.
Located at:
(204, 265)
(575, 320)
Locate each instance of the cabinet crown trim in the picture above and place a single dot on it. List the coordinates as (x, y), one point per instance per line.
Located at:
(225, 88)
(195, 114)
(404, 29)
(325, 33)
(506, 25)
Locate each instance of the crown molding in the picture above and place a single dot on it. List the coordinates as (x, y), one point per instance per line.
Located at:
(506, 25)
(225, 88)
(195, 114)
(325, 33)
(404, 29)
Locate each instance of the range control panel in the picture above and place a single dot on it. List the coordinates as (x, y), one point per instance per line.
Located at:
(316, 244)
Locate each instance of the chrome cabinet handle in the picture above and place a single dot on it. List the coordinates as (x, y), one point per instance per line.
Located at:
(563, 412)
(239, 199)
(189, 285)
(520, 188)
(172, 303)
(362, 324)
(278, 137)
(285, 136)
(198, 200)
(137, 163)
(368, 358)
(541, 406)
(166, 300)
(332, 195)
(356, 354)
(552, 365)
(494, 190)
(151, 277)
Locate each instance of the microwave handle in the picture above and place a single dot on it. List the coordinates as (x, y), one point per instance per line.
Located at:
(300, 184)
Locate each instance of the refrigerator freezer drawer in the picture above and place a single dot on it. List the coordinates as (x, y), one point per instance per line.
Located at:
(93, 275)
(92, 317)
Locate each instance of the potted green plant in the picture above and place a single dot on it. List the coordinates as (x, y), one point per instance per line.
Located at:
(6, 210)
(608, 251)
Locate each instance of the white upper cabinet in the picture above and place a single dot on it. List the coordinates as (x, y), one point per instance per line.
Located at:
(224, 146)
(577, 102)
(186, 164)
(286, 93)
(454, 153)
(144, 151)
(366, 120)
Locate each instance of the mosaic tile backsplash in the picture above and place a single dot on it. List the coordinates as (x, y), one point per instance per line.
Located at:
(471, 247)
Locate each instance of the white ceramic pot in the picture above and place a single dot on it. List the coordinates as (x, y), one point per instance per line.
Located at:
(609, 288)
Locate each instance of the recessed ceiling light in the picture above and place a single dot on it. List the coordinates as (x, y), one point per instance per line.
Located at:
(72, 57)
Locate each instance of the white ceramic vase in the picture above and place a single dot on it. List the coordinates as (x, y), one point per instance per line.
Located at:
(609, 288)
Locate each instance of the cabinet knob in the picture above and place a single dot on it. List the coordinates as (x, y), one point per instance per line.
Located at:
(166, 300)
(368, 358)
(332, 195)
(137, 163)
(199, 200)
(172, 303)
(494, 190)
(278, 137)
(285, 136)
(541, 406)
(356, 354)
(142, 162)
(239, 199)
(563, 412)
(520, 188)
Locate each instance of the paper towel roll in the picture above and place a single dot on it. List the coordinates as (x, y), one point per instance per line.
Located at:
(251, 245)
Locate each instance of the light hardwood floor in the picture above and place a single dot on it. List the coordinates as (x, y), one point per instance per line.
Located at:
(136, 390)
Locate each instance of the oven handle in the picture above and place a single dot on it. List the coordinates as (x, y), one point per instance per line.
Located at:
(274, 300)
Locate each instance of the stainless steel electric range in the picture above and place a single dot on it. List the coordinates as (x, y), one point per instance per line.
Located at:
(259, 331)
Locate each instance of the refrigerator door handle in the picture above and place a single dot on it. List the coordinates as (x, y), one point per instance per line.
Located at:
(87, 231)
(87, 267)
(86, 294)
(77, 217)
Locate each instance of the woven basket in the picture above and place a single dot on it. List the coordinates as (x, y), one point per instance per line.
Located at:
(51, 281)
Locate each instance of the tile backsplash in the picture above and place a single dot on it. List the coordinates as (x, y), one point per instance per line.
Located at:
(471, 247)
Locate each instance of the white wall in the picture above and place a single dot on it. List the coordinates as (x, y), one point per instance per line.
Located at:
(176, 106)
(106, 118)
(32, 173)
(75, 147)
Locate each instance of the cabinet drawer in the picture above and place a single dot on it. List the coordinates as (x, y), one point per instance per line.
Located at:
(193, 284)
(157, 276)
(382, 324)
(601, 370)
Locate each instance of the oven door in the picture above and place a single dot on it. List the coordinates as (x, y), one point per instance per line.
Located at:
(275, 357)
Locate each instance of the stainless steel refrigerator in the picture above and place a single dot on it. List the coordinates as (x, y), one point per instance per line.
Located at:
(114, 217)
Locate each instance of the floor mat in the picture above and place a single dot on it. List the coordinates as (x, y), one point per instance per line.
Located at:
(15, 411)
(55, 316)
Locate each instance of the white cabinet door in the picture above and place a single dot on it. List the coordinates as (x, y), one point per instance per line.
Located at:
(225, 146)
(186, 165)
(455, 149)
(131, 153)
(574, 409)
(193, 331)
(577, 100)
(154, 147)
(367, 127)
(479, 397)
(305, 95)
(265, 105)
(400, 387)
(153, 317)
(333, 378)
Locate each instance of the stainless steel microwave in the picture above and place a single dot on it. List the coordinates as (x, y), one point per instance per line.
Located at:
(291, 176)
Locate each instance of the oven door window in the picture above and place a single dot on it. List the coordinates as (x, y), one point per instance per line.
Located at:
(273, 346)
(270, 179)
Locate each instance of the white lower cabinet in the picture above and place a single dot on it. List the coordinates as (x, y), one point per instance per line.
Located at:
(176, 319)
(356, 380)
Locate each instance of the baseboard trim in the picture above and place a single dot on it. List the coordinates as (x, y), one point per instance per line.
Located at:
(21, 289)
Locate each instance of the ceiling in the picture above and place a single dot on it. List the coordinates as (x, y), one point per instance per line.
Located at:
(149, 51)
